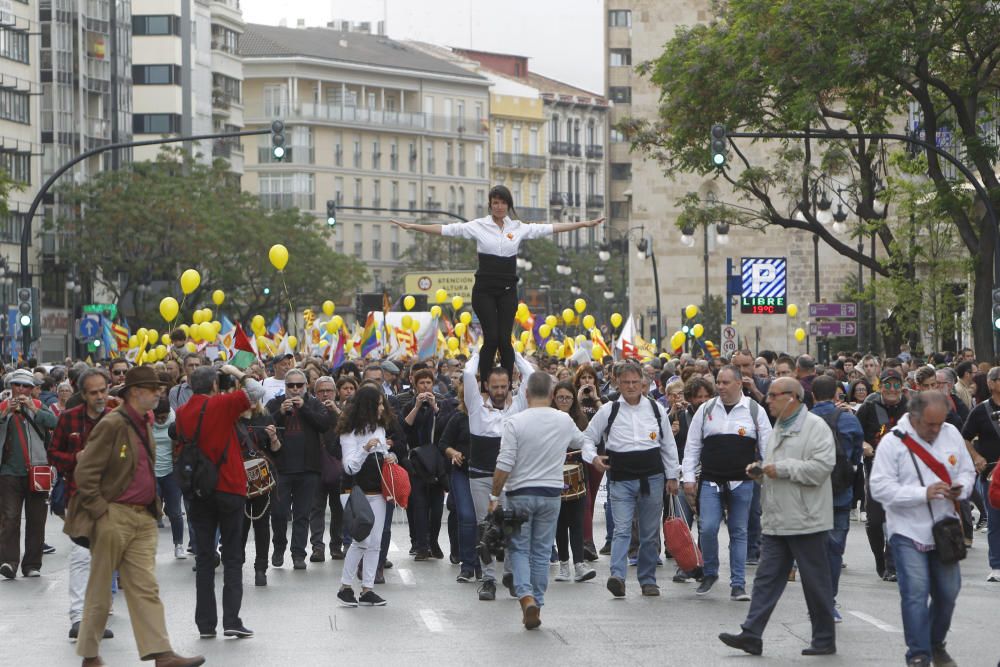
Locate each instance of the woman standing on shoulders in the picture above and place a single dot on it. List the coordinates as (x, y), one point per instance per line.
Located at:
(498, 237)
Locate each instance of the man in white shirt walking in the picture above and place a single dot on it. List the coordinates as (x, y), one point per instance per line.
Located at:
(921, 469)
(532, 452)
(641, 459)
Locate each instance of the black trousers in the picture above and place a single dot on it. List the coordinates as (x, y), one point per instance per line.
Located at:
(569, 529)
(777, 555)
(875, 528)
(426, 510)
(260, 509)
(326, 497)
(495, 308)
(222, 512)
(296, 496)
(15, 494)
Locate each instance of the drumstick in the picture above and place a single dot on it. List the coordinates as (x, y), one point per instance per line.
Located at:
(277, 428)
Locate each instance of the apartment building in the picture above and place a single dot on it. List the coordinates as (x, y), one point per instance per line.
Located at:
(188, 75)
(371, 123)
(643, 203)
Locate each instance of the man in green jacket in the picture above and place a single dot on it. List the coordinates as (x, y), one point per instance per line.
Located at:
(797, 505)
(24, 421)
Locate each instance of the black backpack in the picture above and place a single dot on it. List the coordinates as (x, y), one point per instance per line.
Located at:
(196, 474)
(842, 475)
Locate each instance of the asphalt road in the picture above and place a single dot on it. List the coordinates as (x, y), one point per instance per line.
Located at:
(432, 620)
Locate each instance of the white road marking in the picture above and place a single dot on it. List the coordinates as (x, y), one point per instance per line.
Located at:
(881, 625)
(431, 620)
(392, 546)
(407, 577)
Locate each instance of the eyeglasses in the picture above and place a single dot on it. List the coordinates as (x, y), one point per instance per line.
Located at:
(119, 372)
(22, 386)
(892, 385)
(564, 399)
(775, 394)
(295, 385)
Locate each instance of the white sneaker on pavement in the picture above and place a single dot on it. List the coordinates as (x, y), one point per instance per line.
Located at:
(563, 571)
(179, 551)
(994, 576)
(583, 572)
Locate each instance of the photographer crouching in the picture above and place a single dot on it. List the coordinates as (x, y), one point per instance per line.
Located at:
(532, 452)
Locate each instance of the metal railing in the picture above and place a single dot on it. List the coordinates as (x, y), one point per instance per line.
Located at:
(518, 161)
(595, 151)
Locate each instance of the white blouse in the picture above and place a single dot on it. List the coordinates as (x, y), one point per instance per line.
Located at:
(352, 447)
(491, 240)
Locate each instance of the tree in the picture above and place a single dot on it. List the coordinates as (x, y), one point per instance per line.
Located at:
(7, 185)
(148, 223)
(838, 65)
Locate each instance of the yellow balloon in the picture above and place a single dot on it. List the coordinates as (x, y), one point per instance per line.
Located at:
(190, 280)
(616, 320)
(185, 328)
(323, 343)
(459, 329)
(206, 314)
(580, 338)
(293, 342)
(197, 317)
(330, 328)
(697, 330)
(435, 311)
(457, 302)
(588, 322)
(452, 343)
(793, 310)
(416, 325)
(278, 254)
(165, 339)
(191, 347)
(161, 351)
(677, 340)
(522, 311)
(133, 341)
(218, 326)
(407, 321)
(142, 334)
(552, 347)
(208, 332)
(218, 296)
(338, 323)
(195, 333)
(257, 322)
(580, 305)
(551, 320)
(465, 318)
(525, 337)
(441, 296)
(518, 346)
(169, 308)
(568, 316)
(545, 330)
(329, 307)
(409, 302)
(690, 311)
(800, 334)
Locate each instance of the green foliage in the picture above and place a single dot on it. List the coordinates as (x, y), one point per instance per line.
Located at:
(156, 219)
(7, 185)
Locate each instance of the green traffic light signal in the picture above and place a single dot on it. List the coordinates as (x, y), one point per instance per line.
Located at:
(278, 140)
(331, 212)
(719, 145)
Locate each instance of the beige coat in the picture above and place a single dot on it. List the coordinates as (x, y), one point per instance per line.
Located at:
(800, 500)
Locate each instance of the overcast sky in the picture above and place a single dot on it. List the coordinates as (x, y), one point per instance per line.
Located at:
(563, 38)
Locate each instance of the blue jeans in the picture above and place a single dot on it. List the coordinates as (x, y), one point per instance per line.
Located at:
(530, 547)
(992, 524)
(837, 542)
(170, 491)
(922, 576)
(737, 517)
(465, 509)
(627, 502)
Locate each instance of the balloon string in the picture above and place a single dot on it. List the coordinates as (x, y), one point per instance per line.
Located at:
(179, 309)
(288, 298)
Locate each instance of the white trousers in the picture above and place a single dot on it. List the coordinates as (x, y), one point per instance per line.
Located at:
(367, 550)
(79, 575)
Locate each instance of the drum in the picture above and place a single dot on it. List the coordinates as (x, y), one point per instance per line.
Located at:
(259, 478)
(573, 484)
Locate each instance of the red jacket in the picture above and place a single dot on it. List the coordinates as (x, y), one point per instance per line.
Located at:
(218, 434)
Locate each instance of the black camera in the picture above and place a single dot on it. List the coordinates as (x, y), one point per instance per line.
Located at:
(494, 530)
(995, 415)
(226, 382)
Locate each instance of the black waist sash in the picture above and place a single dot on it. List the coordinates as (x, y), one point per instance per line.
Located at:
(483, 452)
(640, 465)
(496, 272)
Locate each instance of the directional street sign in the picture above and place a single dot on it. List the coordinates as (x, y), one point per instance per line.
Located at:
(89, 325)
(847, 328)
(833, 310)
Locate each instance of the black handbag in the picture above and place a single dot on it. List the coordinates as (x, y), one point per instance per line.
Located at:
(359, 519)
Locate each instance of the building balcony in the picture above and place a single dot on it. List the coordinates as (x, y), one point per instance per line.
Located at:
(559, 199)
(293, 155)
(560, 147)
(595, 201)
(595, 151)
(519, 161)
(98, 128)
(305, 202)
(530, 214)
(225, 149)
(348, 115)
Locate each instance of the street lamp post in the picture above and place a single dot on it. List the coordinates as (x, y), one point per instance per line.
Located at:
(645, 249)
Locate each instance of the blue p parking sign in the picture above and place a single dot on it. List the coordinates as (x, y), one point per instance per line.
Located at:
(764, 287)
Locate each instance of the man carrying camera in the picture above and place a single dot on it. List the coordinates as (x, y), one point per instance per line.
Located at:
(922, 468)
(982, 435)
(532, 452)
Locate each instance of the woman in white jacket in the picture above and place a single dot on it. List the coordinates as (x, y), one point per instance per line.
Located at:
(362, 427)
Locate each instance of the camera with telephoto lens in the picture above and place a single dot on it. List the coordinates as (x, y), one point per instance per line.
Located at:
(494, 530)
(995, 415)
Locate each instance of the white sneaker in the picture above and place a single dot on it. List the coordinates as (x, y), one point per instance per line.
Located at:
(583, 572)
(35, 573)
(563, 571)
(994, 576)
(855, 514)
(179, 551)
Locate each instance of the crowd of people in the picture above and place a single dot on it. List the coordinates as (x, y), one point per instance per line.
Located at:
(782, 450)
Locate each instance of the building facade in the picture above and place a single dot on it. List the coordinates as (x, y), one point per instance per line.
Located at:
(370, 123)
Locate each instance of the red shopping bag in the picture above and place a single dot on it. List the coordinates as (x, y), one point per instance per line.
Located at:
(994, 492)
(395, 483)
(678, 539)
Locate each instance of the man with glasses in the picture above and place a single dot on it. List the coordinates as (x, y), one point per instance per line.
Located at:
(68, 440)
(24, 421)
(640, 460)
(982, 435)
(326, 393)
(117, 370)
(878, 415)
(726, 435)
(182, 392)
(300, 419)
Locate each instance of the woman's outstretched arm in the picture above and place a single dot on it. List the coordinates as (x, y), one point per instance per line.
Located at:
(427, 229)
(558, 227)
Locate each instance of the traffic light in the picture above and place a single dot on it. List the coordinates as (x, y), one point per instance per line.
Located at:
(331, 212)
(25, 312)
(278, 140)
(267, 291)
(719, 145)
(996, 308)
